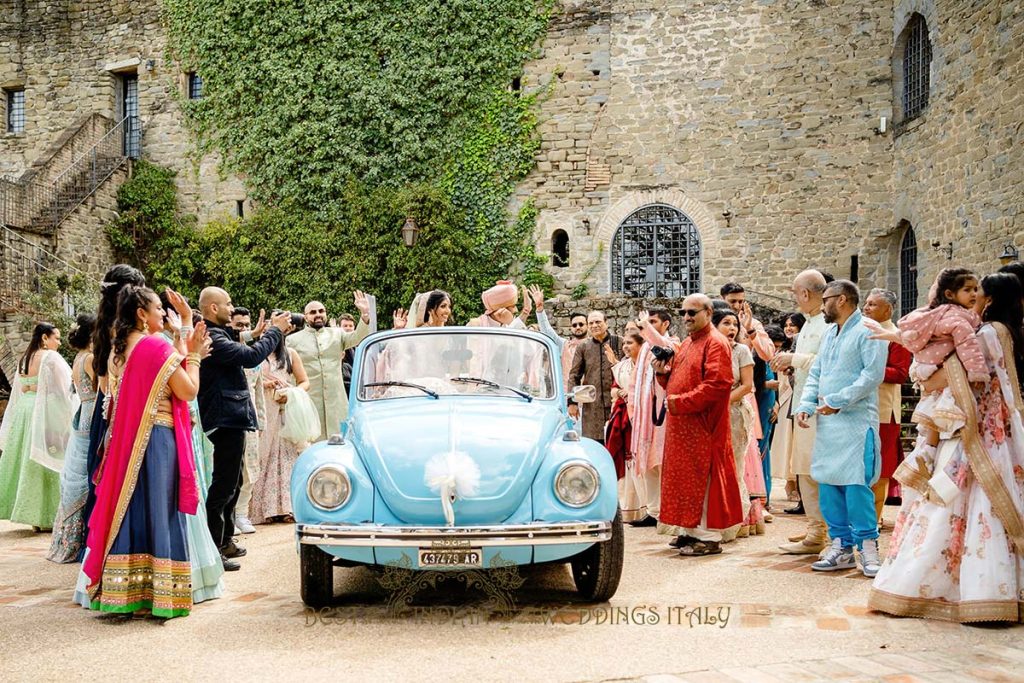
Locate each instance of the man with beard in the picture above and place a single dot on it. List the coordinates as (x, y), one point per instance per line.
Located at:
(751, 330)
(226, 410)
(322, 351)
(842, 390)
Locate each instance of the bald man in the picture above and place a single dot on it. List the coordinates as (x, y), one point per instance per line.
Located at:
(322, 350)
(808, 289)
(226, 410)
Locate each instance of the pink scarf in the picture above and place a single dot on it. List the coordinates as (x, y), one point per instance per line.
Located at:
(149, 368)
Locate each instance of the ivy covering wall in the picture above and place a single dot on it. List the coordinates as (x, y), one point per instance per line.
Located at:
(344, 117)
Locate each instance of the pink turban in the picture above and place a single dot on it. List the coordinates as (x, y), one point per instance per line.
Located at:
(501, 295)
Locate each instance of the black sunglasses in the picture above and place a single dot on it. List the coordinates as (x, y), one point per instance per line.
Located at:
(691, 312)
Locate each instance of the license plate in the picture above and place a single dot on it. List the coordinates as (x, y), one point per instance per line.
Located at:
(451, 557)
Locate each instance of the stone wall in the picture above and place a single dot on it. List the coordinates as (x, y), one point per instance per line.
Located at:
(767, 111)
(70, 56)
(958, 173)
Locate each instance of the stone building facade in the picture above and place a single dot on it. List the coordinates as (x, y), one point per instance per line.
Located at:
(755, 127)
(75, 59)
(746, 134)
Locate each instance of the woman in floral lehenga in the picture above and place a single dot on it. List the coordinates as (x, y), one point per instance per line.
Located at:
(34, 433)
(963, 560)
(69, 525)
(137, 559)
(271, 494)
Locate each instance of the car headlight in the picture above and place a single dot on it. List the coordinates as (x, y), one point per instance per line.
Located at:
(577, 484)
(329, 488)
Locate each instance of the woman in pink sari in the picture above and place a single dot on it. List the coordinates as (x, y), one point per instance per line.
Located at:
(137, 549)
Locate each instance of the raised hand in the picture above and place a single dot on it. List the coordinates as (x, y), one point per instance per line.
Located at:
(746, 316)
(199, 341)
(174, 321)
(181, 306)
(642, 317)
(261, 325)
(363, 304)
(527, 306)
(609, 353)
(537, 294)
(400, 319)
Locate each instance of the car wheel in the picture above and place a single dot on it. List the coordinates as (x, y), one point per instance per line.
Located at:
(597, 569)
(317, 580)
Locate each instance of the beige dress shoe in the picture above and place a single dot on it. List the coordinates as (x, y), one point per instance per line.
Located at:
(804, 547)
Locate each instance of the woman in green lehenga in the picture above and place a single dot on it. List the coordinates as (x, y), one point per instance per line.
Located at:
(35, 431)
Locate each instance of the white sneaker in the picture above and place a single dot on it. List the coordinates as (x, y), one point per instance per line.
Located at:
(244, 526)
(869, 560)
(836, 557)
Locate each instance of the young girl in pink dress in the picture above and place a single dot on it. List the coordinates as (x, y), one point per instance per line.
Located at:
(934, 334)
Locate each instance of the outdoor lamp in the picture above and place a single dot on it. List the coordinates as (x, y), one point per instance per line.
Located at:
(409, 231)
(1010, 253)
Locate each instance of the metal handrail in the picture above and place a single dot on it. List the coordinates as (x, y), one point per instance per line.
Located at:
(9, 234)
(90, 155)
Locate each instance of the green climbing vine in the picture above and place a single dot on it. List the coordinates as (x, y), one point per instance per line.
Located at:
(344, 117)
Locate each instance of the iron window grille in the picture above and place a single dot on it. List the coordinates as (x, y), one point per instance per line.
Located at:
(15, 111)
(656, 253)
(917, 60)
(195, 86)
(908, 272)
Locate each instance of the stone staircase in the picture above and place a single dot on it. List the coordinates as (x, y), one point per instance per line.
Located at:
(83, 159)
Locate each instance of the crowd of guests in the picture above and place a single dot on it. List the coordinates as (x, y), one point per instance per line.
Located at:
(173, 431)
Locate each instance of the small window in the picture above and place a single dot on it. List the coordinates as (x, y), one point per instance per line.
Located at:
(560, 249)
(916, 66)
(15, 111)
(517, 84)
(854, 268)
(908, 270)
(240, 208)
(195, 86)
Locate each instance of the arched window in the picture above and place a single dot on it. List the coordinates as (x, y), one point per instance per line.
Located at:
(560, 248)
(908, 271)
(656, 253)
(912, 66)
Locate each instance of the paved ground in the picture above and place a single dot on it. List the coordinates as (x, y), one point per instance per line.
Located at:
(746, 615)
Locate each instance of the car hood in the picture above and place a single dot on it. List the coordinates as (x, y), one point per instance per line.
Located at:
(400, 440)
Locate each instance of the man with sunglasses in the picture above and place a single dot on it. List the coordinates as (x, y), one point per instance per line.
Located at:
(322, 350)
(700, 494)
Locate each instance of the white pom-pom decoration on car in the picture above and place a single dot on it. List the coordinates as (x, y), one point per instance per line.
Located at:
(452, 475)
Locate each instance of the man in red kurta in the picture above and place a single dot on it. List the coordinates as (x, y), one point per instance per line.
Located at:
(879, 307)
(700, 494)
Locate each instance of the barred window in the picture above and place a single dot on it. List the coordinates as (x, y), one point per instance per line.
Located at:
(908, 271)
(917, 61)
(195, 86)
(15, 111)
(656, 253)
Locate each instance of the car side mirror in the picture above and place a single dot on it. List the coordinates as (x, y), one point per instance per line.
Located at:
(585, 393)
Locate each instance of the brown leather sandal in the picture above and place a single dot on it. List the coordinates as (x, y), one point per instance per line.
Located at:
(700, 549)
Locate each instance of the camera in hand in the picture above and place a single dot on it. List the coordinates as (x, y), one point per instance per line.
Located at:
(662, 353)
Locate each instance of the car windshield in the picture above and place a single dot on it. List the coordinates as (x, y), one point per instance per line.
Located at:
(460, 363)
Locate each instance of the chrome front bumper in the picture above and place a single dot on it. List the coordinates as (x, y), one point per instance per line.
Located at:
(370, 535)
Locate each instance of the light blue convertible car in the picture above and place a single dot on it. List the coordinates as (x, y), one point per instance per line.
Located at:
(458, 452)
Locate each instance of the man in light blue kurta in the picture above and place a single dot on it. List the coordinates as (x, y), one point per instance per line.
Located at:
(842, 389)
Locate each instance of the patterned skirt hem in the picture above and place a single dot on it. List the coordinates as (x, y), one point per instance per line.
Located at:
(958, 612)
(131, 608)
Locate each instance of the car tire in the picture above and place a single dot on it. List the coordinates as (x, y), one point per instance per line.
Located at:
(597, 569)
(317, 580)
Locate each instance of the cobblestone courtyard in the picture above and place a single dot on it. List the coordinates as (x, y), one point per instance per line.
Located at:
(748, 615)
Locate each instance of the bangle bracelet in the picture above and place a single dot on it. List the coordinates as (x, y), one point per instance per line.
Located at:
(194, 358)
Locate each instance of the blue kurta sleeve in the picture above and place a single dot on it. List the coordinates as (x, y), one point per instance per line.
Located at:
(809, 399)
(873, 354)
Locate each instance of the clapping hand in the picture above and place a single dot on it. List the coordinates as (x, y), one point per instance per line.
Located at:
(363, 304)
(609, 353)
(400, 319)
(174, 322)
(780, 361)
(181, 307)
(199, 341)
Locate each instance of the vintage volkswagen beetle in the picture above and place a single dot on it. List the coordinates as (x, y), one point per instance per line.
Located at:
(458, 452)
